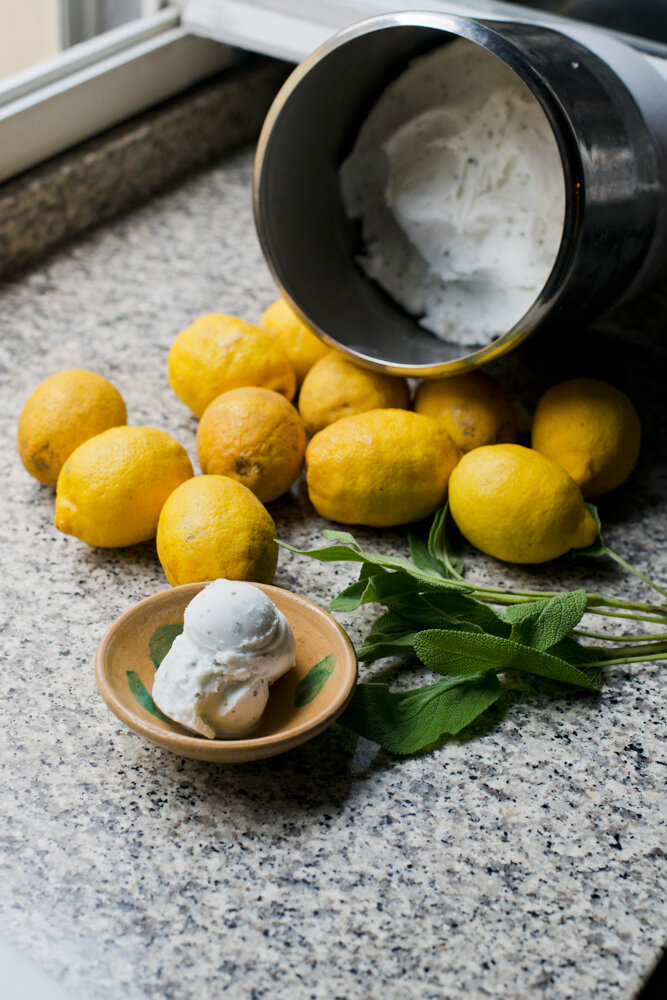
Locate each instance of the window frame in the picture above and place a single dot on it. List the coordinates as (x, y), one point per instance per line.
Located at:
(98, 83)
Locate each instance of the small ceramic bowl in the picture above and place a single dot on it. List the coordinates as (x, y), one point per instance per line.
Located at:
(301, 704)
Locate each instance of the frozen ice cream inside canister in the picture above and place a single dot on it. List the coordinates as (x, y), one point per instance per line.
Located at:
(456, 179)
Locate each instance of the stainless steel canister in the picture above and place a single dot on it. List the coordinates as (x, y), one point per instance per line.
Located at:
(607, 107)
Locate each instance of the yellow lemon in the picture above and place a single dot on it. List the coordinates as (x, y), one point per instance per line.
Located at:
(592, 430)
(112, 488)
(335, 387)
(472, 408)
(380, 468)
(515, 504)
(214, 527)
(217, 353)
(255, 436)
(63, 412)
(299, 343)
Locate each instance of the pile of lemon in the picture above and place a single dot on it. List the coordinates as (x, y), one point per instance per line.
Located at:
(371, 458)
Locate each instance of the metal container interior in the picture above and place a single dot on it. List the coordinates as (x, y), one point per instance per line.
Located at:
(613, 168)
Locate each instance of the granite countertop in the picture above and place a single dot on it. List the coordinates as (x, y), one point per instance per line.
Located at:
(527, 863)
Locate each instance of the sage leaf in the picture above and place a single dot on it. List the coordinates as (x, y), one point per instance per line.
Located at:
(572, 651)
(346, 552)
(541, 624)
(351, 597)
(438, 610)
(389, 622)
(597, 548)
(371, 589)
(379, 646)
(439, 544)
(404, 722)
(595, 676)
(461, 653)
(387, 585)
(383, 586)
(421, 557)
(330, 553)
(161, 641)
(341, 536)
(393, 635)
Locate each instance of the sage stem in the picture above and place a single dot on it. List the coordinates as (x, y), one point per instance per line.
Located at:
(608, 637)
(625, 659)
(631, 569)
(634, 651)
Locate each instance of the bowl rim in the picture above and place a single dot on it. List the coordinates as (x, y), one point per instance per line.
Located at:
(184, 741)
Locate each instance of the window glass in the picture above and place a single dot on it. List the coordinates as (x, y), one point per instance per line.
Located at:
(33, 31)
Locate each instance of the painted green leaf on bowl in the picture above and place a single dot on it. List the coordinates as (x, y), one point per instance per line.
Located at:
(310, 686)
(143, 696)
(161, 641)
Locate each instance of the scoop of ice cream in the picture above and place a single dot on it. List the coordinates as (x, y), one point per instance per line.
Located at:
(215, 678)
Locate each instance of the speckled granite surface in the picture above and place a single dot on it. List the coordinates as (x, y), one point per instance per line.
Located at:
(529, 863)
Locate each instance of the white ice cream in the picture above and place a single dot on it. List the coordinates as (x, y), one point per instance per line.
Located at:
(457, 180)
(215, 678)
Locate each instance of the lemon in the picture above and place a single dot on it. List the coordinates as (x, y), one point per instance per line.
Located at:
(515, 504)
(214, 527)
(63, 412)
(112, 488)
(472, 408)
(299, 343)
(219, 352)
(592, 430)
(380, 468)
(255, 436)
(335, 387)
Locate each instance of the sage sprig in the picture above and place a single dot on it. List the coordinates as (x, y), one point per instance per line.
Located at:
(475, 637)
